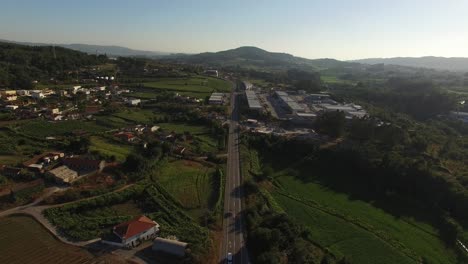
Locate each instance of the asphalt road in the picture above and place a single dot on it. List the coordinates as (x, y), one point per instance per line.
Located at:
(233, 225)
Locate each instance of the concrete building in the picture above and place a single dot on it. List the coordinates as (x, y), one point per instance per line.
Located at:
(252, 100)
(169, 246)
(130, 233)
(63, 174)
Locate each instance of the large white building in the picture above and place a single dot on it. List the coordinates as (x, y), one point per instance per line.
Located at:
(252, 100)
(216, 98)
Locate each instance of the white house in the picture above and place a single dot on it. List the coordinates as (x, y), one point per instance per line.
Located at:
(129, 234)
(11, 107)
(133, 102)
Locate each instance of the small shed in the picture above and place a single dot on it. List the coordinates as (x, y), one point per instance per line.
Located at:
(169, 246)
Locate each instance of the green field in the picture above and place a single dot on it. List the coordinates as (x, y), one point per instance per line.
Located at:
(197, 86)
(200, 133)
(189, 182)
(357, 229)
(22, 240)
(109, 148)
(41, 128)
(138, 116)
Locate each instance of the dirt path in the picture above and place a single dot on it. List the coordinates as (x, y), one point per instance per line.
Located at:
(36, 212)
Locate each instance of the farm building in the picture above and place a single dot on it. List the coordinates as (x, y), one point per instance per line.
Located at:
(130, 233)
(83, 165)
(169, 246)
(63, 174)
(216, 98)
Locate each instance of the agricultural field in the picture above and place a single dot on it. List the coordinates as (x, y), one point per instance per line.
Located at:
(191, 183)
(196, 86)
(22, 240)
(201, 133)
(109, 148)
(357, 229)
(138, 116)
(42, 129)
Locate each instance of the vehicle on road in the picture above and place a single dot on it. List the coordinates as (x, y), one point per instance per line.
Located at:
(229, 258)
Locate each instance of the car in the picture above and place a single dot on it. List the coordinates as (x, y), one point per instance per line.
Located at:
(229, 258)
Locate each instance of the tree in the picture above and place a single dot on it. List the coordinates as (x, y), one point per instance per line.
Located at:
(331, 123)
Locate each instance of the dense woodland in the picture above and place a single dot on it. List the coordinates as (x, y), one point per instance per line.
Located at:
(21, 65)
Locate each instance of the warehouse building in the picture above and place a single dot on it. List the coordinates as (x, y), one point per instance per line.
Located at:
(289, 102)
(63, 174)
(252, 100)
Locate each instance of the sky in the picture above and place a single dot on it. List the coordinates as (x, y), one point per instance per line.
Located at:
(340, 29)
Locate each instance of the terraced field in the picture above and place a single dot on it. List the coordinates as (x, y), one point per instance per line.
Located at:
(22, 240)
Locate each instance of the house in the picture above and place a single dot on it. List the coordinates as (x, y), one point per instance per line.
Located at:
(7, 93)
(10, 171)
(126, 136)
(212, 73)
(22, 92)
(11, 107)
(37, 94)
(154, 128)
(129, 234)
(11, 98)
(55, 111)
(63, 174)
(169, 246)
(83, 165)
(133, 102)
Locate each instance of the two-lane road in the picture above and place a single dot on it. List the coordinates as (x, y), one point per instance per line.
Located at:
(233, 225)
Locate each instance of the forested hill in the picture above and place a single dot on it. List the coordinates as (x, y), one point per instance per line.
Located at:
(438, 63)
(20, 64)
(255, 57)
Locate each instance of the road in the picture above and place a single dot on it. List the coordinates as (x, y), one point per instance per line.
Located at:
(233, 225)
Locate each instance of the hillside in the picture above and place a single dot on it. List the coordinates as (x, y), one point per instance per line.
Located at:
(20, 64)
(110, 50)
(438, 63)
(253, 57)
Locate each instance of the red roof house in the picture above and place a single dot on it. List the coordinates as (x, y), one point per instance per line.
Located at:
(138, 229)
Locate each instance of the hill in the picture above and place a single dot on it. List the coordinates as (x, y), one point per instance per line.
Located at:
(20, 64)
(110, 50)
(438, 63)
(253, 57)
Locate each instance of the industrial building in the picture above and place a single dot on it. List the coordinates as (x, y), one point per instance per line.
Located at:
(350, 110)
(247, 85)
(252, 99)
(289, 102)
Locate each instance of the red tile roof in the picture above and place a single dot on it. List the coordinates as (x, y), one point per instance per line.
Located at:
(133, 227)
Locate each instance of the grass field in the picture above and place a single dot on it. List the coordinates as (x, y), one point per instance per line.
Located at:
(22, 240)
(138, 116)
(108, 148)
(201, 133)
(189, 182)
(357, 229)
(197, 86)
(41, 128)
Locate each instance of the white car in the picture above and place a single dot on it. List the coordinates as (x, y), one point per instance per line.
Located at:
(229, 258)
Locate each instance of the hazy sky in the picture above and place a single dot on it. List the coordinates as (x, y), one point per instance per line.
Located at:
(342, 29)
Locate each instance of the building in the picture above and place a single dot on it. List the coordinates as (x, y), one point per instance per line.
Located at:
(126, 136)
(212, 73)
(216, 99)
(154, 128)
(247, 85)
(351, 110)
(133, 102)
(11, 107)
(462, 116)
(169, 246)
(10, 171)
(129, 234)
(252, 100)
(289, 102)
(7, 93)
(83, 165)
(10, 98)
(63, 174)
(37, 94)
